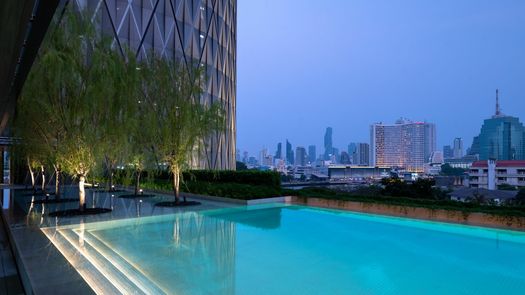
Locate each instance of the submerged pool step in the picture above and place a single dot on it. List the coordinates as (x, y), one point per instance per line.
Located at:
(117, 278)
(132, 272)
(100, 283)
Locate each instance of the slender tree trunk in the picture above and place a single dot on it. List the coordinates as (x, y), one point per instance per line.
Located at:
(137, 181)
(111, 188)
(43, 179)
(176, 185)
(82, 192)
(58, 176)
(33, 181)
(109, 166)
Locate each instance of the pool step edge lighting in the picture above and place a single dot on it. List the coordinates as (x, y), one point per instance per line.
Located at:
(105, 275)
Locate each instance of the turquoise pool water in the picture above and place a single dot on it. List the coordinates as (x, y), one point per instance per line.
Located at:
(279, 249)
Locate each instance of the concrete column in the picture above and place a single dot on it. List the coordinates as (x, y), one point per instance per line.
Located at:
(491, 176)
(2, 149)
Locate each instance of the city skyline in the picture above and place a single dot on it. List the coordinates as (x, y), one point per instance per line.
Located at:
(377, 73)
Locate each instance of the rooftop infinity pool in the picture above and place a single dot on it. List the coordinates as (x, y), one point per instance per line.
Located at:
(288, 249)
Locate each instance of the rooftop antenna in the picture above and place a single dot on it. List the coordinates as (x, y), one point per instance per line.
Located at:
(498, 112)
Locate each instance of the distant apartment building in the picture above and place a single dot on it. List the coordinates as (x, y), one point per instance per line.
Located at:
(491, 173)
(312, 154)
(407, 145)
(458, 148)
(300, 156)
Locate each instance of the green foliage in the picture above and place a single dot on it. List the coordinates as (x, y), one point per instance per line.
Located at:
(520, 197)
(250, 177)
(507, 187)
(245, 185)
(448, 170)
(179, 121)
(421, 188)
(240, 166)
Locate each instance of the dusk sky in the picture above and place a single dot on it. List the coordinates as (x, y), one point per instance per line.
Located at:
(304, 65)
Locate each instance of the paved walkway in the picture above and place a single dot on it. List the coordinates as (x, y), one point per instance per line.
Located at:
(9, 280)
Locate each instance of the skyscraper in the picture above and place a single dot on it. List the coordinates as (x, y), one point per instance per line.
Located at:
(345, 158)
(448, 152)
(430, 140)
(300, 156)
(403, 144)
(352, 148)
(335, 155)
(359, 153)
(502, 137)
(190, 31)
(312, 154)
(279, 152)
(328, 144)
(289, 153)
(458, 148)
(363, 154)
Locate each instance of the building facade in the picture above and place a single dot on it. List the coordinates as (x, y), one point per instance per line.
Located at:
(312, 154)
(300, 156)
(405, 144)
(197, 33)
(290, 159)
(458, 148)
(448, 152)
(328, 144)
(501, 137)
(491, 173)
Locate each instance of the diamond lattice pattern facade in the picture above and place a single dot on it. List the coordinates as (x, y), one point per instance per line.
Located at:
(194, 32)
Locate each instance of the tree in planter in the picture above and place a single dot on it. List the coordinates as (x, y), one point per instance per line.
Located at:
(179, 121)
(73, 59)
(118, 119)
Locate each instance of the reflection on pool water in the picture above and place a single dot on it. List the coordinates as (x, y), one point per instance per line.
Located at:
(288, 249)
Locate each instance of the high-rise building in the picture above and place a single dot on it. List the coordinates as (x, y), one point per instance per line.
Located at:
(404, 144)
(289, 153)
(448, 152)
(359, 153)
(458, 148)
(335, 154)
(194, 32)
(345, 158)
(238, 155)
(352, 149)
(328, 144)
(279, 152)
(430, 140)
(300, 156)
(312, 154)
(263, 155)
(362, 154)
(502, 137)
